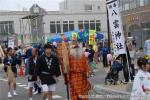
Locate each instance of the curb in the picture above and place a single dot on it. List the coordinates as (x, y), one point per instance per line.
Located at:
(111, 94)
(103, 90)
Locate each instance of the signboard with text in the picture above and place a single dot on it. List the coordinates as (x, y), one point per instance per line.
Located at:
(11, 43)
(116, 29)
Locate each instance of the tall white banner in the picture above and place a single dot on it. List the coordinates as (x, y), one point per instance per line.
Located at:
(116, 28)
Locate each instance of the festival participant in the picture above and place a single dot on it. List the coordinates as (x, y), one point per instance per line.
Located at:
(47, 71)
(91, 54)
(104, 52)
(140, 85)
(146, 83)
(10, 68)
(78, 73)
(31, 71)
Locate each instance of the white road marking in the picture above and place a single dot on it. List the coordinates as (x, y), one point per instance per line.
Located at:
(22, 85)
(60, 79)
(5, 80)
(57, 96)
(26, 87)
(1, 79)
(18, 83)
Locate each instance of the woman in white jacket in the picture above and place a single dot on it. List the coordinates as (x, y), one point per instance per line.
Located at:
(140, 84)
(146, 84)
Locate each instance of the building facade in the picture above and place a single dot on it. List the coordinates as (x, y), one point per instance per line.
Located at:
(73, 15)
(136, 19)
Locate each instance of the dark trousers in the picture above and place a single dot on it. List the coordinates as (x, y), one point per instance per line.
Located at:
(105, 63)
(132, 71)
(126, 71)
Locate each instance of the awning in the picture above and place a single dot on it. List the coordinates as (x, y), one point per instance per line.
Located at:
(30, 17)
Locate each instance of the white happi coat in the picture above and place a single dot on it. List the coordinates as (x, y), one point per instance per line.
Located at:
(138, 92)
(146, 85)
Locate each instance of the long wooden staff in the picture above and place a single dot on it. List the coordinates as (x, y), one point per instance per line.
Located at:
(1, 52)
(66, 66)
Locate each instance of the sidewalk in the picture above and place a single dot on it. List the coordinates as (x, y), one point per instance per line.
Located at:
(121, 90)
(113, 92)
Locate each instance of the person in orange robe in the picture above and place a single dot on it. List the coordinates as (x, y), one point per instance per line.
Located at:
(78, 73)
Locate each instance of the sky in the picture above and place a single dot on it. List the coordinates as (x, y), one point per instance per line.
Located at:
(18, 5)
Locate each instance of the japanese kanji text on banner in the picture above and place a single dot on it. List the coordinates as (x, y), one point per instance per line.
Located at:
(115, 24)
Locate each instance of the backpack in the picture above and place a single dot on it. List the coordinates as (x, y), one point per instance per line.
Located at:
(117, 66)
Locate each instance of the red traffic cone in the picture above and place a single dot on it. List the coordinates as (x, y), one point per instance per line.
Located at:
(21, 71)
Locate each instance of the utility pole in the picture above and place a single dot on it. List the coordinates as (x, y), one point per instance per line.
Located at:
(108, 33)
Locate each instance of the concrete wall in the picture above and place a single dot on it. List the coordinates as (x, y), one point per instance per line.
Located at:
(75, 17)
(79, 5)
(53, 17)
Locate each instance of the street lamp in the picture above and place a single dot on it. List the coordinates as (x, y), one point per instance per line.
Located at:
(108, 29)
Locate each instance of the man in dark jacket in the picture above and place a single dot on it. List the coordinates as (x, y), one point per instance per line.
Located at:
(127, 66)
(104, 52)
(91, 53)
(48, 70)
(31, 71)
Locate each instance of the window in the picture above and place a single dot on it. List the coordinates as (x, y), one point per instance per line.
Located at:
(65, 22)
(6, 27)
(92, 24)
(80, 25)
(58, 22)
(88, 7)
(58, 28)
(98, 21)
(65, 26)
(11, 30)
(145, 25)
(55, 27)
(98, 25)
(71, 22)
(141, 2)
(133, 4)
(71, 25)
(126, 6)
(86, 24)
(52, 27)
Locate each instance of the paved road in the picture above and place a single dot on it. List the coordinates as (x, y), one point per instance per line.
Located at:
(60, 93)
